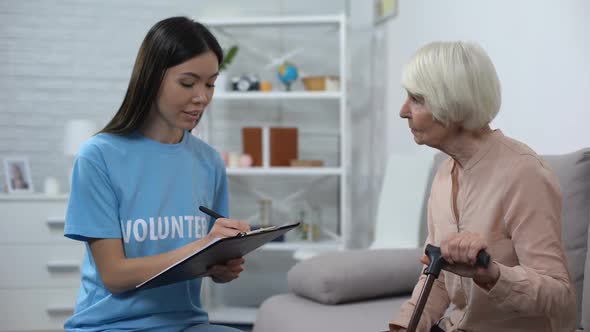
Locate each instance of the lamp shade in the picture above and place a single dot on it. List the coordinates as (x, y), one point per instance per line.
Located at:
(76, 133)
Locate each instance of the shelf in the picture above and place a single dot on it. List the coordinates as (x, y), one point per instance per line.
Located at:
(291, 171)
(304, 253)
(272, 20)
(303, 245)
(277, 95)
(292, 181)
(33, 197)
(232, 315)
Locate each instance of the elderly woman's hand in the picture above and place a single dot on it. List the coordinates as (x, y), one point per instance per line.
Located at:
(460, 251)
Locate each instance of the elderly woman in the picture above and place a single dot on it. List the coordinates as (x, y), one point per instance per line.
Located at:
(493, 193)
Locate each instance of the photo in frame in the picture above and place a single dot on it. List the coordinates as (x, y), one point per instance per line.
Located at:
(18, 175)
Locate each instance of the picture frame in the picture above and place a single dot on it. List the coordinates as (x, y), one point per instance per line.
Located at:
(384, 10)
(18, 175)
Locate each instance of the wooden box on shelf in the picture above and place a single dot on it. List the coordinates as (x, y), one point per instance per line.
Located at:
(283, 146)
(307, 163)
(270, 147)
(252, 144)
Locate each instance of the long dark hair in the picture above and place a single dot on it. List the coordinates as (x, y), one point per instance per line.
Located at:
(168, 43)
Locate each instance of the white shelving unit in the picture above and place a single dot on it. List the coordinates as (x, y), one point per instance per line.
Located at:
(225, 313)
(277, 21)
(285, 171)
(303, 246)
(253, 95)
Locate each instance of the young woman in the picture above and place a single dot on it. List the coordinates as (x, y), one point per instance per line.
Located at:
(137, 186)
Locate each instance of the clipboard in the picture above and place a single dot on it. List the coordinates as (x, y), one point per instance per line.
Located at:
(215, 252)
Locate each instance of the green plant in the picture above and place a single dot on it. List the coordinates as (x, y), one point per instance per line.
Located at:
(228, 57)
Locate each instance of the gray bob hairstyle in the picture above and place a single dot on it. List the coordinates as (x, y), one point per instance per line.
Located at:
(458, 82)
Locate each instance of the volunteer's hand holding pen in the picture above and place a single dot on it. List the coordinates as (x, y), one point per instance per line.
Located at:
(222, 228)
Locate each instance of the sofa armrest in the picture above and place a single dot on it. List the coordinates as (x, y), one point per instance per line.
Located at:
(356, 275)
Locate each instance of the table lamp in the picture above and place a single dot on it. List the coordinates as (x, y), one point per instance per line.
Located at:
(76, 132)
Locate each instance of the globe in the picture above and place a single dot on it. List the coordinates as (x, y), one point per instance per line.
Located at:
(288, 74)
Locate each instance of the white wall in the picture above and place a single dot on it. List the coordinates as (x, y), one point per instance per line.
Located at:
(541, 51)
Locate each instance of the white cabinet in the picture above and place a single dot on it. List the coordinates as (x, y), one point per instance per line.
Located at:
(40, 267)
(322, 119)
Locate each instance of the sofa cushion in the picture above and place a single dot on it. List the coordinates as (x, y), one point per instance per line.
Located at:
(356, 275)
(573, 173)
(291, 313)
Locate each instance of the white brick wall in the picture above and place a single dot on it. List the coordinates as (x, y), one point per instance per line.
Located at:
(62, 60)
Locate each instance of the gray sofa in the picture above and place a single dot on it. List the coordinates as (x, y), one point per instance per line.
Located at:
(360, 290)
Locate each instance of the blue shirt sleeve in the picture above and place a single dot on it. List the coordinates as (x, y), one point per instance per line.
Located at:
(93, 206)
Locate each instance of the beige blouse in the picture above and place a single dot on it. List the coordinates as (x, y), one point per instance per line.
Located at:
(511, 197)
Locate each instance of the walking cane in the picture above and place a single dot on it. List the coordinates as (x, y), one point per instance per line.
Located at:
(432, 271)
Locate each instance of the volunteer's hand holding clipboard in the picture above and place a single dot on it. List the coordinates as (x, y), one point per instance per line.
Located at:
(217, 252)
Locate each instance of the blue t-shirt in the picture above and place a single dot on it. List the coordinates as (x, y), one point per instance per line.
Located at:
(147, 194)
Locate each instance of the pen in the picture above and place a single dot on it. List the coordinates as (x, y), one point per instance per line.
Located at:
(210, 212)
(217, 216)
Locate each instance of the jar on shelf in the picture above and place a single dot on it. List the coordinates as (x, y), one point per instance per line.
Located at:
(264, 212)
